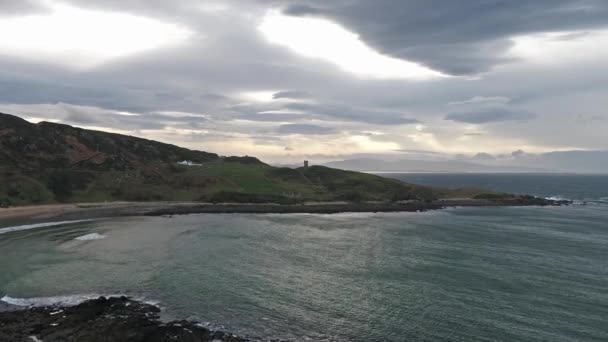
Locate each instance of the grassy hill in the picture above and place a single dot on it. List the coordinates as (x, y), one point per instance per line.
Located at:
(50, 163)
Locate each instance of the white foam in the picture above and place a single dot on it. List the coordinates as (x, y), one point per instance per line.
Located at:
(39, 225)
(52, 301)
(91, 237)
(69, 300)
(557, 198)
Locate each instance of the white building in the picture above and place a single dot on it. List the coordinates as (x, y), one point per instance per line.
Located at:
(188, 163)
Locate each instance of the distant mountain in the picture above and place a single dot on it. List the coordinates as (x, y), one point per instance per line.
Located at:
(406, 165)
(566, 161)
(49, 162)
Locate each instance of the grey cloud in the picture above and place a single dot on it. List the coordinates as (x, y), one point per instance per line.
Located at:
(419, 151)
(99, 117)
(457, 37)
(488, 116)
(302, 10)
(304, 129)
(482, 100)
(206, 75)
(483, 156)
(518, 153)
(19, 7)
(291, 94)
(268, 112)
(277, 117)
(267, 140)
(589, 118)
(345, 112)
(573, 36)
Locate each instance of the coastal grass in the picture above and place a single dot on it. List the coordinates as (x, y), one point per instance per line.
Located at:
(221, 180)
(217, 181)
(18, 189)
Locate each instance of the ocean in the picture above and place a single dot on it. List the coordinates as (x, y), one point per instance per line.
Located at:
(459, 274)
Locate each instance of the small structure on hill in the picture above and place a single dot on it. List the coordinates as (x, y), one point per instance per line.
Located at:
(306, 164)
(188, 163)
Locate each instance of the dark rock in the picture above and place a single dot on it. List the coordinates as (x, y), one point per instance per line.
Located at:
(102, 320)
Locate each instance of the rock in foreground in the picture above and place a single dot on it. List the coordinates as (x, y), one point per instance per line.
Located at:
(102, 320)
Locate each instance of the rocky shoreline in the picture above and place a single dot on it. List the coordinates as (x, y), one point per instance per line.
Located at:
(116, 319)
(354, 207)
(72, 212)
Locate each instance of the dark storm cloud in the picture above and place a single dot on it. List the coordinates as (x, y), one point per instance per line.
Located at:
(457, 37)
(482, 116)
(304, 129)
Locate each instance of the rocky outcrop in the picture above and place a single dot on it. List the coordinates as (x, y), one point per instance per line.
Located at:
(117, 319)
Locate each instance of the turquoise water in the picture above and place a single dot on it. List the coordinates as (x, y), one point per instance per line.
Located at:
(467, 274)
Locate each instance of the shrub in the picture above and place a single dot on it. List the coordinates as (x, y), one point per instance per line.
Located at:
(492, 197)
(243, 160)
(244, 197)
(62, 183)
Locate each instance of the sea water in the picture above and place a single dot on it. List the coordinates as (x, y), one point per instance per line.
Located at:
(463, 274)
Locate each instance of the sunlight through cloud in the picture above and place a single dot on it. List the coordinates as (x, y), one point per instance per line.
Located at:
(561, 47)
(318, 38)
(83, 38)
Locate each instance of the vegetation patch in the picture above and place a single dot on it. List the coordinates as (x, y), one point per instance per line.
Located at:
(241, 197)
(48, 162)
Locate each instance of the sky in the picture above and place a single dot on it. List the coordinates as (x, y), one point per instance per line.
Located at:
(287, 80)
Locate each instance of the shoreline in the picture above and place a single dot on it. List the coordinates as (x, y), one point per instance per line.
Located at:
(117, 319)
(87, 211)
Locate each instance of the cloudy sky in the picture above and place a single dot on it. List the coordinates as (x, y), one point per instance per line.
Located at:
(292, 79)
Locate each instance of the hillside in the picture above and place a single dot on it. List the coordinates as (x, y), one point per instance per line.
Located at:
(51, 163)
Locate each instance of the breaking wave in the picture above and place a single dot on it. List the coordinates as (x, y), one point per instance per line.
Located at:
(65, 300)
(39, 225)
(90, 237)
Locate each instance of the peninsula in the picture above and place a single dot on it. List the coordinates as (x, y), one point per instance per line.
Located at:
(67, 172)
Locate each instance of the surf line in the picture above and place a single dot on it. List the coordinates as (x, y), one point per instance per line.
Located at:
(40, 225)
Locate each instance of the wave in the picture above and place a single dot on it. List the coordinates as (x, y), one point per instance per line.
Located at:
(52, 301)
(586, 201)
(91, 237)
(39, 225)
(65, 300)
(561, 198)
